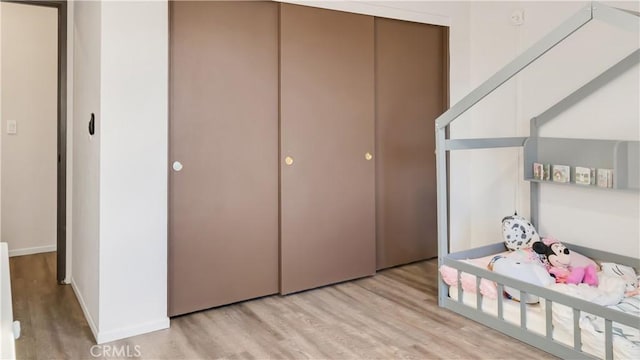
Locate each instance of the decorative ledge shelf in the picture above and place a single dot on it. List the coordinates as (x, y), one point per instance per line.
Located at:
(573, 184)
(623, 157)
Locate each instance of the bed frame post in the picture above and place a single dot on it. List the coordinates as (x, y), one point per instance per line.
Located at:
(443, 204)
(534, 187)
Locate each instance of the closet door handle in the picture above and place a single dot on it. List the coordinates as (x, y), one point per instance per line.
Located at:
(288, 160)
(177, 166)
(368, 156)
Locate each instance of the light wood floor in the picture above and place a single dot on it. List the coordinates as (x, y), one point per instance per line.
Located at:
(393, 315)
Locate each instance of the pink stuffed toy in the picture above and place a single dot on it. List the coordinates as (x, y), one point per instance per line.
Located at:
(559, 266)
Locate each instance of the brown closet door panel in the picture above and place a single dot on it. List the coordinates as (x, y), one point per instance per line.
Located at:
(410, 94)
(327, 126)
(223, 210)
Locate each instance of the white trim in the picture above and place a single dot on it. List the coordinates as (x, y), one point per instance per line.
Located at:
(117, 334)
(32, 250)
(1, 117)
(377, 9)
(69, 174)
(83, 306)
(126, 332)
(7, 334)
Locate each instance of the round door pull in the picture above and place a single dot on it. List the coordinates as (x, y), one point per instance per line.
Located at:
(177, 166)
(288, 160)
(368, 156)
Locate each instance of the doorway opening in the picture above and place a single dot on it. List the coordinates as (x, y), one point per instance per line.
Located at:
(20, 106)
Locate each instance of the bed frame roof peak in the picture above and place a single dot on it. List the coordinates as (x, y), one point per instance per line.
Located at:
(624, 19)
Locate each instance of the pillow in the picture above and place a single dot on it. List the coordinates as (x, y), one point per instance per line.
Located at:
(529, 272)
(526, 256)
(579, 260)
(518, 232)
(468, 281)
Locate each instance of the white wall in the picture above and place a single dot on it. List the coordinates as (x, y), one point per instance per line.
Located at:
(133, 169)
(494, 42)
(120, 174)
(606, 220)
(86, 158)
(29, 158)
(600, 219)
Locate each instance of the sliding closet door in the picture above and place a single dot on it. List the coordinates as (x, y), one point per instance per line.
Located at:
(411, 91)
(327, 130)
(223, 211)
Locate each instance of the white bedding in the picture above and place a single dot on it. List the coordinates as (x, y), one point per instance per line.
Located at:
(510, 312)
(626, 340)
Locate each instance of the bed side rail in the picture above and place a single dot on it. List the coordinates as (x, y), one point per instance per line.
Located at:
(576, 303)
(550, 297)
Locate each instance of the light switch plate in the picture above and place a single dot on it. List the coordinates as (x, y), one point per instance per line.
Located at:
(12, 127)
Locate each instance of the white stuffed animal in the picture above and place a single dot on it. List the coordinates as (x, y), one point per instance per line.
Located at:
(518, 232)
(627, 274)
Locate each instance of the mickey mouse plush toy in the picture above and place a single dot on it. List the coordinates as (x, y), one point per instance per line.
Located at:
(558, 259)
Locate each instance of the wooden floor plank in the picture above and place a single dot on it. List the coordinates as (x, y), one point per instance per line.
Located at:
(392, 315)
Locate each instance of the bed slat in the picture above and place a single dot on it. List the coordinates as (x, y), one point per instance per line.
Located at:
(500, 298)
(460, 299)
(608, 339)
(577, 342)
(478, 294)
(548, 318)
(523, 309)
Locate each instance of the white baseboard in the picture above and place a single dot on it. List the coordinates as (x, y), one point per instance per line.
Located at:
(122, 333)
(83, 306)
(32, 250)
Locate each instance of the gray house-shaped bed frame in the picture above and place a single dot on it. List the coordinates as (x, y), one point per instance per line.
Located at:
(622, 156)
